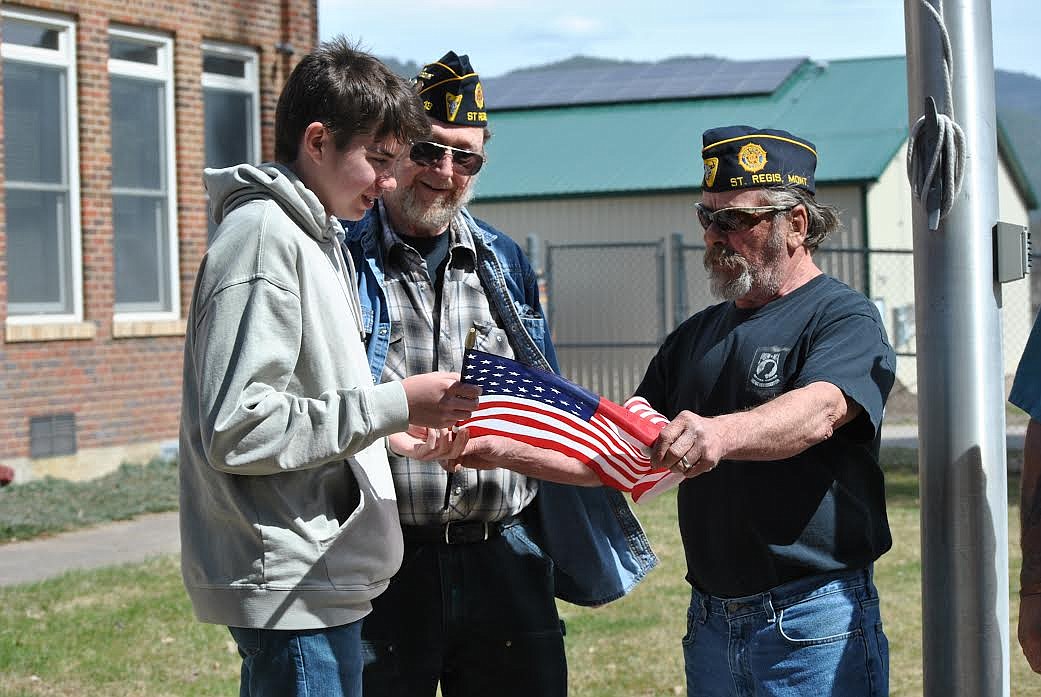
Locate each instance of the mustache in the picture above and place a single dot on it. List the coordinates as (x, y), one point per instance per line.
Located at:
(720, 255)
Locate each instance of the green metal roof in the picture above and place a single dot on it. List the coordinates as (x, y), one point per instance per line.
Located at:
(854, 111)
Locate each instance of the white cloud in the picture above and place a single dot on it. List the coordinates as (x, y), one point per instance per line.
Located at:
(576, 26)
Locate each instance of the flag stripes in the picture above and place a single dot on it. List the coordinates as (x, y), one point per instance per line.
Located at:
(546, 411)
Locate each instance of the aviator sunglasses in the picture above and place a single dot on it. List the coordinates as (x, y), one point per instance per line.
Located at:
(464, 162)
(735, 219)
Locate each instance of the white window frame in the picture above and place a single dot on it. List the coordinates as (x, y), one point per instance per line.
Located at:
(162, 72)
(248, 84)
(63, 57)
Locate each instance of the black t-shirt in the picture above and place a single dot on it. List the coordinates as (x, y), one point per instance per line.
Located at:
(748, 526)
(434, 251)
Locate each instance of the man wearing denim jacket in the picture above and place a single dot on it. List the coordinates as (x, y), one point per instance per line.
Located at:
(486, 552)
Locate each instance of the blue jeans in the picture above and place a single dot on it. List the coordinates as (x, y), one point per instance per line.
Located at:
(479, 618)
(301, 663)
(813, 637)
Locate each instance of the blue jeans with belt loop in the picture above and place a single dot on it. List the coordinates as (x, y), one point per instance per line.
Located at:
(300, 663)
(813, 637)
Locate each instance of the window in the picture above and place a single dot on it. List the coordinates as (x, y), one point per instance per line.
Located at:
(144, 197)
(230, 96)
(41, 150)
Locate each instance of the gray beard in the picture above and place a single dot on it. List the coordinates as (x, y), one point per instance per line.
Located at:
(764, 280)
(435, 218)
(726, 287)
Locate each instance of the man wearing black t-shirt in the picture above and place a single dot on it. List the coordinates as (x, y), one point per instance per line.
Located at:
(775, 398)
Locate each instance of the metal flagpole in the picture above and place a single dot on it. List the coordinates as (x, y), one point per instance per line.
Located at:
(962, 464)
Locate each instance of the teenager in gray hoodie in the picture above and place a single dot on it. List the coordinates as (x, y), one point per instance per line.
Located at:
(289, 525)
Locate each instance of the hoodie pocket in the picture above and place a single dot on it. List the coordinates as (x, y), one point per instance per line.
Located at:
(367, 548)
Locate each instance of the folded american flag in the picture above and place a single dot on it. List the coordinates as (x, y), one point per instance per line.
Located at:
(547, 411)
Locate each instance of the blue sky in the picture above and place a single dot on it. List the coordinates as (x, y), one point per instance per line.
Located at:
(500, 35)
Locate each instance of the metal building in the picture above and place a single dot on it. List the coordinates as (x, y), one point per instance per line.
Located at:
(587, 158)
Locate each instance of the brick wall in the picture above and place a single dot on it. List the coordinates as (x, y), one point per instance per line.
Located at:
(124, 386)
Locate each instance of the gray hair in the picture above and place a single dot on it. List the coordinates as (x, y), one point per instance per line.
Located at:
(823, 219)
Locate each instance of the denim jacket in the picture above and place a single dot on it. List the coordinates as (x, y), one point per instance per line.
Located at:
(598, 548)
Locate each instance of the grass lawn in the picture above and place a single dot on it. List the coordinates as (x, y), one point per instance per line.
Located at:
(52, 505)
(631, 647)
(129, 631)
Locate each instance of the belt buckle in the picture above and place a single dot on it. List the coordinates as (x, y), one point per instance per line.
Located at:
(465, 540)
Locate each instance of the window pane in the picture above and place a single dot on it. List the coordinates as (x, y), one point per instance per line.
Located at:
(138, 134)
(142, 265)
(229, 133)
(34, 111)
(223, 65)
(229, 128)
(37, 252)
(129, 50)
(30, 34)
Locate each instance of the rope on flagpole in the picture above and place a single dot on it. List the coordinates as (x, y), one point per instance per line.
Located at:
(948, 146)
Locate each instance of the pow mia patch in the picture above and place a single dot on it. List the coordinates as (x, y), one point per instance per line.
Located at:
(751, 157)
(765, 370)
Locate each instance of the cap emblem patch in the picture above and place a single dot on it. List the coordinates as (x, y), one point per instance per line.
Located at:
(751, 157)
(452, 103)
(711, 167)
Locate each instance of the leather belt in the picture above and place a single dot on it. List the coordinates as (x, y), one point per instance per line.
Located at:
(457, 533)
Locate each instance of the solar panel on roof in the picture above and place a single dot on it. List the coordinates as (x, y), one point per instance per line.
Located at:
(627, 82)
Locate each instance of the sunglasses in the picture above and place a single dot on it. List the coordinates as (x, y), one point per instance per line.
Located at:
(464, 162)
(735, 219)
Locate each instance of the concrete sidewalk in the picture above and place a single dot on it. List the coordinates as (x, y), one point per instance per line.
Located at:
(906, 436)
(151, 535)
(121, 542)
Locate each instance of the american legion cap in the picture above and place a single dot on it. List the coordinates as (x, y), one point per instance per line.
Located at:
(451, 91)
(743, 157)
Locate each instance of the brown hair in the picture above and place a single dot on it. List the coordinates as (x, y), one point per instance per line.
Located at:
(351, 93)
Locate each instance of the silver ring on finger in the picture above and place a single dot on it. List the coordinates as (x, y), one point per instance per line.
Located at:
(685, 464)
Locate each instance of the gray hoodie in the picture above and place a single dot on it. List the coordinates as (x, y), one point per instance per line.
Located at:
(288, 518)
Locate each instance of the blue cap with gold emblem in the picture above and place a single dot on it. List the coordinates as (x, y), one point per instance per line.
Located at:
(451, 91)
(742, 157)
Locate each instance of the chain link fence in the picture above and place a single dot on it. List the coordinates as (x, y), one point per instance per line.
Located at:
(610, 304)
(886, 276)
(1035, 284)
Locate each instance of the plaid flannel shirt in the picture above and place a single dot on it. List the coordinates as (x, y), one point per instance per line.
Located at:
(480, 495)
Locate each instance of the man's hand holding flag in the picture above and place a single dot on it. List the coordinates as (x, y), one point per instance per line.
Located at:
(546, 411)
